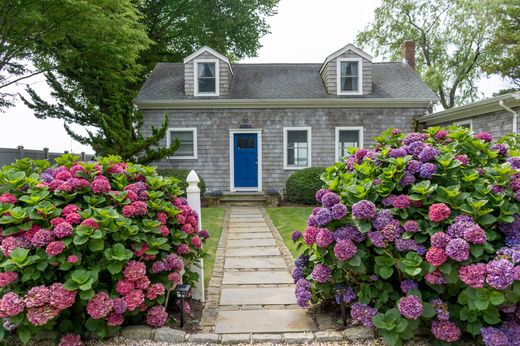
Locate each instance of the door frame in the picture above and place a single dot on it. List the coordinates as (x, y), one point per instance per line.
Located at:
(232, 133)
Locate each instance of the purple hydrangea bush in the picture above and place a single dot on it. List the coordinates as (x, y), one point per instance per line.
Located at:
(91, 246)
(425, 231)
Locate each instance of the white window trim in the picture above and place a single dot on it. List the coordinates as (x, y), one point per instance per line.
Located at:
(465, 122)
(309, 142)
(360, 76)
(168, 142)
(351, 128)
(232, 133)
(196, 78)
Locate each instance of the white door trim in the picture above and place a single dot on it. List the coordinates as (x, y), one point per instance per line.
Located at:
(232, 133)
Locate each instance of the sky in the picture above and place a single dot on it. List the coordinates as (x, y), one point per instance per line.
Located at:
(302, 31)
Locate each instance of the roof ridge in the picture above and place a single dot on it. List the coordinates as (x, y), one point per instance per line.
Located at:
(277, 63)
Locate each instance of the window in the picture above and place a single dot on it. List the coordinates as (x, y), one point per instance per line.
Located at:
(465, 123)
(297, 147)
(188, 142)
(206, 78)
(349, 76)
(347, 137)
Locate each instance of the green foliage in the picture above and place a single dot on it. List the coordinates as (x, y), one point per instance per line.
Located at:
(181, 174)
(466, 26)
(302, 185)
(474, 179)
(81, 227)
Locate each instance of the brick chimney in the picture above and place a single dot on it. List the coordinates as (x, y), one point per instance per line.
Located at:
(408, 53)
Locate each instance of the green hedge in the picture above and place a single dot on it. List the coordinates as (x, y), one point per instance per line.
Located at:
(182, 174)
(301, 187)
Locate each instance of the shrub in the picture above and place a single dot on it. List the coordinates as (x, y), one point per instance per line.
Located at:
(302, 185)
(425, 232)
(181, 174)
(90, 246)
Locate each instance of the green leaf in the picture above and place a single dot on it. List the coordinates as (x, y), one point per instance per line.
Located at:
(487, 219)
(386, 272)
(476, 250)
(96, 245)
(115, 267)
(80, 276)
(496, 298)
(428, 310)
(86, 295)
(354, 261)
(24, 334)
(474, 327)
(492, 316)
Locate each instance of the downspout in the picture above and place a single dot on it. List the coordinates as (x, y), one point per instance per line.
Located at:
(515, 116)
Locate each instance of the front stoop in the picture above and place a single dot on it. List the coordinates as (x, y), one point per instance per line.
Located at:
(248, 199)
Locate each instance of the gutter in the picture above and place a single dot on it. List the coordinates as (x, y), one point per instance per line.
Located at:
(515, 116)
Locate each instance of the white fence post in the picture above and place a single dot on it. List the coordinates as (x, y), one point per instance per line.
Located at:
(193, 197)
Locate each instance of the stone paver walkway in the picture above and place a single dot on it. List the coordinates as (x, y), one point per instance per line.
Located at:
(256, 287)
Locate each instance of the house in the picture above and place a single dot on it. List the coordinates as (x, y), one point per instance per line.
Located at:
(496, 115)
(247, 127)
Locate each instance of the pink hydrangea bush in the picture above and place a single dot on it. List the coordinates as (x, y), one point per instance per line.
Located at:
(91, 246)
(425, 231)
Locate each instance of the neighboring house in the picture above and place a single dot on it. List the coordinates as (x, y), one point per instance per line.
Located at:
(247, 127)
(496, 115)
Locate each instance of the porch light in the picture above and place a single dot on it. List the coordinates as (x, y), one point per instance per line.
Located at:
(182, 292)
(245, 123)
(341, 289)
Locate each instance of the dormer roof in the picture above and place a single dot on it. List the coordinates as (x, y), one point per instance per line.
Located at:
(348, 47)
(209, 50)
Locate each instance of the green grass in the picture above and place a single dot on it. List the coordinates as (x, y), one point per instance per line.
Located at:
(212, 221)
(288, 220)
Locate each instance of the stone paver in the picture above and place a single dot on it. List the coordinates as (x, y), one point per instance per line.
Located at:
(253, 251)
(271, 321)
(137, 333)
(298, 338)
(245, 224)
(255, 263)
(263, 235)
(250, 242)
(249, 230)
(250, 278)
(263, 296)
(169, 335)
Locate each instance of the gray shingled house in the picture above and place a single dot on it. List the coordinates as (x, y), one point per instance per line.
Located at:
(247, 127)
(496, 115)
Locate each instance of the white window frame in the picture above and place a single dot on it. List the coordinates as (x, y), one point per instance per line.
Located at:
(232, 133)
(465, 122)
(309, 145)
(347, 128)
(179, 129)
(360, 76)
(196, 77)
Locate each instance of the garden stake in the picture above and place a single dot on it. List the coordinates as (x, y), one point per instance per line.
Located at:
(341, 289)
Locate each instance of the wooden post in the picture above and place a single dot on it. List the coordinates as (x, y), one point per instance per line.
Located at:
(46, 153)
(83, 156)
(193, 197)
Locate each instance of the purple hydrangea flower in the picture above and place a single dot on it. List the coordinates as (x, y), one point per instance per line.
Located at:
(392, 231)
(339, 211)
(345, 250)
(296, 235)
(500, 274)
(413, 166)
(407, 285)
(324, 238)
(324, 216)
(395, 153)
(458, 250)
(311, 221)
(320, 193)
(427, 170)
(363, 313)
(440, 240)
(407, 179)
(401, 202)
(514, 161)
(303, 293)
(441, 308)
(475, 235)
(388, 200)
(411, 226)
(494, 337)
(321, 273)
(377, 239)
(410, 307)
(415, 148)
(348, 296)
(413, 137)
(500, 148)
(349, 232)
(383, 218)
(364, 210)
(403, 245)
(511, 231)
(428, 154)
(330, 199)
(497, 189)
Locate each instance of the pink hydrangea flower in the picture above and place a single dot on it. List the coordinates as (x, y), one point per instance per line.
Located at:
(165, 231)
(309, 235)
(11, 305)
(10, 243)
(436, 256)
(99, 306)
(140, 208)
(71, 339)
(174, 277)
(435, 278)
(90, 223)
(42, 237)
(142, 283)
(37, 296)
(115, 319)
(56, 221)
(401, 202)
(41, 315)
(73, 218)
(410, 307)
(196, 242)
(7, 278)
(156, 316)
(128, 210)
(55, 248)
(439, 212)
(446, 331)
(134, 270)
(7, 198)
(69, 209)
(155, 291)
(473, 275)
(183, 249)
(162, 217)
(100, 185)
(73, 259)
(120, 305)
(484, 136)
(134, 299)
(62, 230)
(76, 168)
(63, 175)
(187, 228)
(61, 298)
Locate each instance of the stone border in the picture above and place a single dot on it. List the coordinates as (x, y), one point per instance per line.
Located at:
(210, 311)
(166, 334)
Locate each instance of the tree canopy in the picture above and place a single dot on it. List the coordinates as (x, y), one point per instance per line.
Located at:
(453, 40)
(95, 74)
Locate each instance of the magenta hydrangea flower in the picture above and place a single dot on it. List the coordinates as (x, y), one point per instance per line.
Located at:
(42, 237)
(90, 223)
(128, 210)
(500, 274)
(330, 199)
(173, 262)
(124, 286)
(140, 208)
(7, 278)
(321, 273)
(484, 136)
(446, 331)
(8, 198)
(114, 319)
(392, 231)
(363, 313)
(435, 278)
(436, 256)
(440, 240)
(134, 299)
(134, 270)
(345, 250)
(458, 250)
(475, 235)
(156, 316)
(11, 305)
(142, 283)
(309, 235)
(473, 275)
(410, 307)
(174, 277)
(41, 315)
(364, 210)
(99, 306)
(324, 238)
(60, 298)
(441, 134)
(183, 249)
(62, 230)
(37, 296)
(100, 185)
(463, 159)
(401, 202)
(439, 212)
(70, 340)
(73, 218)
(10, 243)
(55, 248)
(154, 291)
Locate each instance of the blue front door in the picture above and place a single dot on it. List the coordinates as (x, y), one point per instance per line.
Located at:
(246, 160)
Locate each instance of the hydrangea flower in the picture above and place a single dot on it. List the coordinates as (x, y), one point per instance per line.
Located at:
(436, 256)
(435, 278)
(309, 235)
(37, 296)
(62, 230)
(377, 239)
(413, 166)
(41, 315)
(55, 248)
(330, 199)
(345, 250)
(441, 309)
(7, 278)
(458, 250)
(324, 216)
(8, 198)
(446, 331)
(303, 293)
(296, 235)
(134, 299)
(321, 273)
(319, 194)
(324, 238)
(395, 153)
(70, 340)
(156, 316)
(494, 337)
(439, 212)
(134, 270)
(392, 231)
(413, 137)
(60, 298)
(500, 274)
(440, 240)
(428, 154)
(401, 202)
(427, 170)
(473, 275)
(475, 234)
(363, 313)
(463, 159)
(339, 211)
(382, 218)
(407, 179)
(11, 305)
(99, 306)
(364, 210)
(484, 136)
(410, 307)
(408, 284)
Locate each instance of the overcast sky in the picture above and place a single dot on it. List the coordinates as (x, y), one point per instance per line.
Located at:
(302, 31)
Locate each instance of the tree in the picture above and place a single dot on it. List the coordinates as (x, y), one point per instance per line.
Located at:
(452, 39)
(91, 91)
(507, 42)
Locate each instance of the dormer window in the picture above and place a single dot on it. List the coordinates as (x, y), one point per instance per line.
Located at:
(207, 77)
(350, 76)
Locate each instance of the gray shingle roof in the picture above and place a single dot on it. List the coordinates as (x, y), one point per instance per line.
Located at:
(393, 80)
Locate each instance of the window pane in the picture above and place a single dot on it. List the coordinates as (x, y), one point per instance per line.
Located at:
(297, 148)
(206, 69)
(349, 69)
(207, 85)
(347, 139)
(186, 147)
(349, 84)
(206, 77)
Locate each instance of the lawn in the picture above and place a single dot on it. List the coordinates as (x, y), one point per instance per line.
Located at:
(212, 221)
(287, 220)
